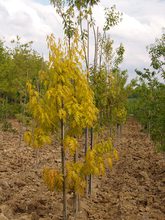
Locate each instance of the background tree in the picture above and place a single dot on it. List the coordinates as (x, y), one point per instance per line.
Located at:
(157, 54)
(148, 103)
(17, 64)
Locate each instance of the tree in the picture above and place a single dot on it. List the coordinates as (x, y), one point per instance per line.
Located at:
(18, 65)
(109, 85)
(78, 15)
(61, 100)
(157, 54)
(150, 95)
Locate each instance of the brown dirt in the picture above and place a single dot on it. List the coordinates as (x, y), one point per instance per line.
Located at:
(133, 190)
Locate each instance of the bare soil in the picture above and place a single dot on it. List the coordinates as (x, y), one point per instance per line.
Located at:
(133, 190)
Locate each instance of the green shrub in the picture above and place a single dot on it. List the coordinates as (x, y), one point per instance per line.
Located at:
(7, 126)
(8, 110)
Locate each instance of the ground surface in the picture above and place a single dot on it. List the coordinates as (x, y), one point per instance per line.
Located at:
(133, 190)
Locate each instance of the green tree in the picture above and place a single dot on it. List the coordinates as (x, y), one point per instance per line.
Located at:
(157, 54)
(18, 65)
(149, 104)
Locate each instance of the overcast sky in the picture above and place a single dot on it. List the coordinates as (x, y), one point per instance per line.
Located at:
(143, 21)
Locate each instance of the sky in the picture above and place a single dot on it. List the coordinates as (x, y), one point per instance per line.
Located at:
(33, 20)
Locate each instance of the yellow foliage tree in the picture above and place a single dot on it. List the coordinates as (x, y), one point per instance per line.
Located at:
(65, 98)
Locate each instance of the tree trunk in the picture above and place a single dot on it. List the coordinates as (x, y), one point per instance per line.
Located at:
(90, 177)
(121, 128)
(118, 131)
(86, 148)
(63, 169)
(86, 130)
(75, 196)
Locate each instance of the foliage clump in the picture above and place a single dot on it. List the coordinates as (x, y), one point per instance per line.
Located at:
(64, 95)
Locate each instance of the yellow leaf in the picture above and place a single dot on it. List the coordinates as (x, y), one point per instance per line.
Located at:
(115, 153)
(109, 160)
(27, 137)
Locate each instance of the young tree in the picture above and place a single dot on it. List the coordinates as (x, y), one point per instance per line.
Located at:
(79, 15)
(150, 94)
(16, 66)
(61, 101)
(157, 54)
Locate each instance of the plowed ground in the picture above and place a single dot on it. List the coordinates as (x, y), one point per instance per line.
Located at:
(133, 190)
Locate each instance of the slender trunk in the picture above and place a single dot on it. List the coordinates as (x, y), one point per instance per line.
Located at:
(96, 50)
(149, 124)
(95, 69)
(86, 148)
(88, 51)
(83, 42)
(118, 131)
(20, 130)
(86, 130)
(75, 196)
(102, 116)
(22, 121)
(149, 129)
(6, 109)
(63, 169)
(110, 121)
(101, 50)
(90, 177)
(121, 128)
